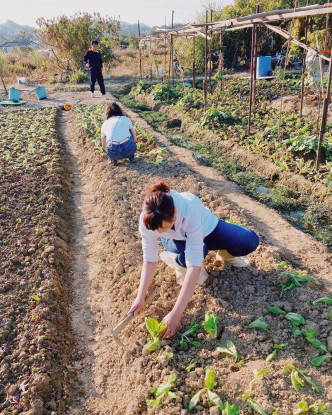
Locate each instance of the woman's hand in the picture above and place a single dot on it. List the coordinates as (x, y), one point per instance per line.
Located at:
(137, 306)
(172, 320)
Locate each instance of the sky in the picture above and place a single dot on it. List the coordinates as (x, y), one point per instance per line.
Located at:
(150, 12)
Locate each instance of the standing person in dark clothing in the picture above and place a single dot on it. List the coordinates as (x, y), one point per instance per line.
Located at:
(94, 62)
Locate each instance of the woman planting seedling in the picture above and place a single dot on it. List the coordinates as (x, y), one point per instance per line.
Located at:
(189, 230)
(118, 136)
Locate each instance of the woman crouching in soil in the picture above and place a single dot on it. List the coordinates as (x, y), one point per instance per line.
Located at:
(118, 137)
(189, 230)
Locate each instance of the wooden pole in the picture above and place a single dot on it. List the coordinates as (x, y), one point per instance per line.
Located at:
(303, 62)
(172, 48)
(152, 62)
(165, 55)
(210, 57)
(284, 76)
(255, 60)
(169, 68)
(205, 63)
(324, 115)
(140, 53)
(194, 62)
(221, 58)
(252, 70)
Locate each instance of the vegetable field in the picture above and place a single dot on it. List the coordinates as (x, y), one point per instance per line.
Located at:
(252, 341)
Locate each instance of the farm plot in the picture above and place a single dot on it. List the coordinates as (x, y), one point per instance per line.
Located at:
(277, 172)
(252, 339)
(34, 240)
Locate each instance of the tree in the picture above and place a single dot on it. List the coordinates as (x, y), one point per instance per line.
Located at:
(71, 36)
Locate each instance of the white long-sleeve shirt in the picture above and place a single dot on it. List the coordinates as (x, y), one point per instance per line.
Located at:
(193, 222)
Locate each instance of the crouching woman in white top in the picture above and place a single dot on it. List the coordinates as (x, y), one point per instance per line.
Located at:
(118, 137)
(189, 230)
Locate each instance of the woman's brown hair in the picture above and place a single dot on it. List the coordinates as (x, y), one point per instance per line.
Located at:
(158, 206)
(112, 109)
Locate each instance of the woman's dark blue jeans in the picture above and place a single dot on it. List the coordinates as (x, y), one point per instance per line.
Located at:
(235, 239)
(122, 151)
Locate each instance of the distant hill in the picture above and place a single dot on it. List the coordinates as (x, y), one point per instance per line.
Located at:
(131, 29)
(10, 31)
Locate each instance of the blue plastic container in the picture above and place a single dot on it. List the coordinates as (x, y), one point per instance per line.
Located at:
(14, 94)
(263, 66)
(41, 92)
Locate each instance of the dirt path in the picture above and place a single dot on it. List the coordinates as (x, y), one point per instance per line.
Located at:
(293, 245)
(105, 276)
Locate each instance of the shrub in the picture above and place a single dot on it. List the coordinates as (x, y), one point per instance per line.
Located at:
(79, 77)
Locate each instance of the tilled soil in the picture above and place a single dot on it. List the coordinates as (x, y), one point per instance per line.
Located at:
(102, 217)
(106, 271)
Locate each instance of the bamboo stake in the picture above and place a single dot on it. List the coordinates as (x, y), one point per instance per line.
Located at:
(221, 58)
(194, 62)
(252, 70)
(205, 63)
(169, 68)
(165, 55)
(324, 115)
(172, 48)
(284, 75)
(140, 52)
(303, 62)
(151, 61)
(210, 63)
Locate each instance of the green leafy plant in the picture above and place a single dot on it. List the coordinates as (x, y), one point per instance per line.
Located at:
(317, 408)
(230, 349)
(310, 336)
(299, 377)
(257, 407)
(258, 375)
(260, 324)
(163, 390)
(273, 355)
(184, 336)
(211, 324)
(192, 364)
(293, 279)
(326, 300)
(209, 381)
(154, 328)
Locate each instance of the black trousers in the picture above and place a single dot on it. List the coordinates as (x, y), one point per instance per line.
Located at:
(96, 75)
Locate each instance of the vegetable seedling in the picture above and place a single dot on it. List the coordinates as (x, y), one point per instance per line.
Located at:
(260, 324)
(163, 391)
(273, 355)
(257, 407)
(310, 336)
(184, 336)
(298, 379)
(258, 375)
(317, 408)
(295, 319)
(211, 324)
(230, 349)
(192, 364)
(209, 381)
(294, 279)
(326, 300)
(154, 328)
(230, 409)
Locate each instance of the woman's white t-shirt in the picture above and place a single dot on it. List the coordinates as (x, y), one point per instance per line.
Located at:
(193, 222)
(116, 129)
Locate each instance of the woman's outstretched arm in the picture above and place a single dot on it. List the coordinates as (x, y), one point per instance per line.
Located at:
(147, 273)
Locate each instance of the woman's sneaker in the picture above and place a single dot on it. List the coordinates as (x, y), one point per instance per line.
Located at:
(170, 259)
(236, 261)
